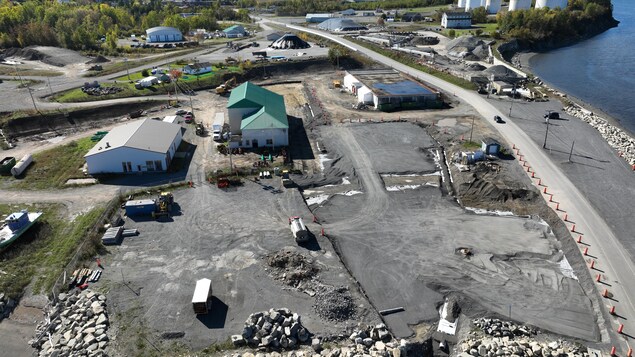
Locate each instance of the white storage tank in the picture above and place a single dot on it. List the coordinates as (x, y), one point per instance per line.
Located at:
(519, 5)
(461, 3)
(552, 4)
(493, 6)
(21, 165)
(471, 4)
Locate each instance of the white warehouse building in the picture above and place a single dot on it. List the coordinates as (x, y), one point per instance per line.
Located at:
(163, 34)
(456, 20)
(142, 146)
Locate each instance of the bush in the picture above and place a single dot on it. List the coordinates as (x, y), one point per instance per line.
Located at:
(452, 33)
(145, 73)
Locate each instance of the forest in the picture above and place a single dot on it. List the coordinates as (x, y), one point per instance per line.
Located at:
(302, 7)
(81, 25)
(548, 27)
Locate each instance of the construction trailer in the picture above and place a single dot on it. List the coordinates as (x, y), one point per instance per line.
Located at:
(298, 229)
(21, 165)
(140, 207)
(202, 299)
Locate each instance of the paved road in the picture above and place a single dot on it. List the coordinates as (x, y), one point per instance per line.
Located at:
(611, 260)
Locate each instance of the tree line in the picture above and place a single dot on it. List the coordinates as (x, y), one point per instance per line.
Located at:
(537, 26)
(81, 25)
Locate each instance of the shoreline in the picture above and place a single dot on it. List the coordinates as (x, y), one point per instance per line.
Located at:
(525, 60)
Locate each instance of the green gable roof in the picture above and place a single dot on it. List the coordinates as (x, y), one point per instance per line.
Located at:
(269, 109)
(234, 27)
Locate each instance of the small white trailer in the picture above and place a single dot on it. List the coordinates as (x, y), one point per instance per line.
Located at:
(202, 299)
(300, 233)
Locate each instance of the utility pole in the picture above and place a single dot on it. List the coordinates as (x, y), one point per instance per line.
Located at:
(571, 152)
(544, 145)
(472, 130)
(127, 70)
(510, 107)
(191, 106)
(50, 89)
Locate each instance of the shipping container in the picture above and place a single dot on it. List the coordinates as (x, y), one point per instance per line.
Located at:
(19, 168)
(140, 207)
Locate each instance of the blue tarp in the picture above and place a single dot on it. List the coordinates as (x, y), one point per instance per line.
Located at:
(403, 88)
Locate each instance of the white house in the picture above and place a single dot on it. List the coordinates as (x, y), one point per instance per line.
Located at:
(198, 68)
(258, 116)
(148, 81)
(141, 146)
(163, 34)
(456, 20)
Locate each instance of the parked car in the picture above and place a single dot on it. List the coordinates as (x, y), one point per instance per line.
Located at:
(188, 118)
(180, 112)
(552, 115)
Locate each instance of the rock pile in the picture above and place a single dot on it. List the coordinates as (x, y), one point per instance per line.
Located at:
(279, 329)
(292, 268)
(76, 326)
(617, 138)
(511, 339)
(6, 306)
(498, 328)
(98, 91)
(504, 346)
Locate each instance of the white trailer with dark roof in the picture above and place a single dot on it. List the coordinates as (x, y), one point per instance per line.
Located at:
(202, 299)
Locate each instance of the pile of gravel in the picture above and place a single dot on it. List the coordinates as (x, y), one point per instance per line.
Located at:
(467, 45)
(98, 59)
(334, 303)
(501, 71)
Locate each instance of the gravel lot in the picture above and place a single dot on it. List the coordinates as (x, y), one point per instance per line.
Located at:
(402, 246)
(223, 236)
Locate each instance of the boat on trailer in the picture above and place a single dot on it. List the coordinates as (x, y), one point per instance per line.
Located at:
(15, 225)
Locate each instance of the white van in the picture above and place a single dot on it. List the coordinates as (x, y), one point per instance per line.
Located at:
(217, 127)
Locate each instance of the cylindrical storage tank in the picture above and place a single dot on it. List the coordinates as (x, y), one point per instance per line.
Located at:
(542, 3)
(470, 4)
(493, 6)
(461, 3)
(561, 4)
(21, 165)
(519, 5)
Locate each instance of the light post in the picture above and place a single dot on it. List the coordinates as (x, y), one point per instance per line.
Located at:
(544, 145)
(127, 69)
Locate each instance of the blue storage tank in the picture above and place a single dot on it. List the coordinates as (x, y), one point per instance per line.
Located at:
(140, 207)
(17, 220)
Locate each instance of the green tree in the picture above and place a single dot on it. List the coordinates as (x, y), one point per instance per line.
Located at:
(336, 52)
(452, 33)
(479, 15)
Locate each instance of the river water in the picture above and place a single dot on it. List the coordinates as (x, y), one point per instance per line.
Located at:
(599, 71)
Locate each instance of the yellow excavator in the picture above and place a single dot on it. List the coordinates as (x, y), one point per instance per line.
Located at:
(226, 87)
(164, 205)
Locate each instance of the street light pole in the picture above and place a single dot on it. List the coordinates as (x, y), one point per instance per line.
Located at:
(127, 69)
(571, 152)
(544, 145)
(472, 130)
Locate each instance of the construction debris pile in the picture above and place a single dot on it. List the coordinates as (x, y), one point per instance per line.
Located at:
(76, 326)
(276, 328)
(617, 138)
(332, 303)
(512, 339)
(6, 306)
(292, 268)
(97, 91)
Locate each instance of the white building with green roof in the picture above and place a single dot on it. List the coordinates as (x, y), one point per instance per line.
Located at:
(258, 116)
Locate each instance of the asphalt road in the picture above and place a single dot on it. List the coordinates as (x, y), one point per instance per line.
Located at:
(611, 259)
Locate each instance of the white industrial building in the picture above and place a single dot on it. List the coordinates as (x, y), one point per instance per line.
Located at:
(388, 90)
(341, 25)
(317, 18)
(257, 117)
(456, 20)
(163, 34)
(519, 5)
(141, 146)
(552, 4)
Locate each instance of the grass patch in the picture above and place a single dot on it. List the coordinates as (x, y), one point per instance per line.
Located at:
(471, 145)
(427, 9)
(41, 253)
(10, 71)
(114, 67)
(486, 28)
(204, 81)
(53, 167)
(410, 62)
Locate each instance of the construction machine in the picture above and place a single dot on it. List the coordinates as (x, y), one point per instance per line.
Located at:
(286, 180)
(226, 87)
(164, 205)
